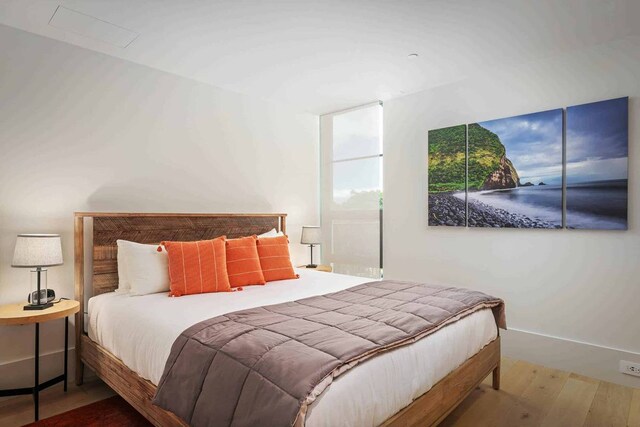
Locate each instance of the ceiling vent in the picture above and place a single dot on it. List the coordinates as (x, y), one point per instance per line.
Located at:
(89, 26)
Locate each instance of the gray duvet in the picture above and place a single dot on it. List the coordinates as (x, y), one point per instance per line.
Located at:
(264, 366)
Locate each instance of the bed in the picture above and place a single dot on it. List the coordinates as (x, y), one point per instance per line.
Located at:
(395, 388)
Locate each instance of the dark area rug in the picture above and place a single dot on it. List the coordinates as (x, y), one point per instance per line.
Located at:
(111, 412)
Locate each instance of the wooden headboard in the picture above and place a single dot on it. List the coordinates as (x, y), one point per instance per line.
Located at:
(153, 228)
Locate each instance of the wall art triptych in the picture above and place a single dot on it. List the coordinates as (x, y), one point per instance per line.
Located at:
(510, 173)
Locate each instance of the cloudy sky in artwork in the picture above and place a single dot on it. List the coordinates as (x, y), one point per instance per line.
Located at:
(597, 141)
(533, 143)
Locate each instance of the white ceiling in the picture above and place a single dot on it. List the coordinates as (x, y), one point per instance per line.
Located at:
(326, 55)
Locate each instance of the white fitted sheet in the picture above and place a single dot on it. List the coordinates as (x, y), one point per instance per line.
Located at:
(140, 331)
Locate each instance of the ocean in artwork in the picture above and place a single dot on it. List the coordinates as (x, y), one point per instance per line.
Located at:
(597, 205)
(594, 205)
(597, 161)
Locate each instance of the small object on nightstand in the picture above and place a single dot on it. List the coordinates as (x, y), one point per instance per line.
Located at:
(37, 251)
(14, 314)
(318, 267)
(311, 235)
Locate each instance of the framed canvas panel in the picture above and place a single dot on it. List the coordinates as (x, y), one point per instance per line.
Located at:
(515, 172)
(597, 163)
(447, 176)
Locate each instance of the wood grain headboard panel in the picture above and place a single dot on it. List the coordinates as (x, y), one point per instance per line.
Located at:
(154, 228)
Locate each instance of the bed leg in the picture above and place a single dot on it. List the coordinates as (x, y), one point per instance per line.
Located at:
(496, 377)
(79, 373)
(78, 265)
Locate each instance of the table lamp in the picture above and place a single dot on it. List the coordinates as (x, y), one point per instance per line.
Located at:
(37, 251)
(311, 235)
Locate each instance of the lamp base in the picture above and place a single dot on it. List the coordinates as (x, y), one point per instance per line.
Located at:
(311, 266)
(38, 306)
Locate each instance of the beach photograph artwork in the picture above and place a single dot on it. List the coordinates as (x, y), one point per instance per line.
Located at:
(447, 176)
(515, 172)
(597, 159)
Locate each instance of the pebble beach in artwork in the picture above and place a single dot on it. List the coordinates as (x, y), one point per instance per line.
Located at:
(447, 210)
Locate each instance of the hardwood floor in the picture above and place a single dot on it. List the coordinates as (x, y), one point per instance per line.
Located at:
(18, 411)
(531, 395)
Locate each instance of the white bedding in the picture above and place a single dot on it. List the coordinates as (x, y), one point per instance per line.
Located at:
(140, 330)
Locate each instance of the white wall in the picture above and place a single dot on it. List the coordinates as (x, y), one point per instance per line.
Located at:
(579, 286)
(82, 131)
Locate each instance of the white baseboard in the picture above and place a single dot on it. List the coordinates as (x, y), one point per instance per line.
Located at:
(582, 358)
(20, 373)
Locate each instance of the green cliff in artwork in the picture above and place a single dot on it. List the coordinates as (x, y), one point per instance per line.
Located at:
(447, 169)
(489, 168)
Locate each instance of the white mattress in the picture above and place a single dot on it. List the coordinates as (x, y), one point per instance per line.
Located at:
(140, 330)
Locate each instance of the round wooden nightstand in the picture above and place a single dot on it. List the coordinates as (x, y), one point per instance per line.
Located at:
(319, 267)
(14, 314)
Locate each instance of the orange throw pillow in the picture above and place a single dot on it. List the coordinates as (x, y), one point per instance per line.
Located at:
(197, 267)
(275, 259)
(243, 263)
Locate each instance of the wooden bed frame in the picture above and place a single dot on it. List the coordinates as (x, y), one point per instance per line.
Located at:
(427, 410)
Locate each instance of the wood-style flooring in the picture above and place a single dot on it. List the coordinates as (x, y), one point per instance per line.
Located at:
(18, 411)
(531, 395)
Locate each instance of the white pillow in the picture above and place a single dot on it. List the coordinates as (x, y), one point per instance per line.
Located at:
(271, 233)
(123, 279)
(146, 269)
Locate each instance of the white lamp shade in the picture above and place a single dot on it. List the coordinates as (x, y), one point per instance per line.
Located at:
(311, 235)
(37, 250)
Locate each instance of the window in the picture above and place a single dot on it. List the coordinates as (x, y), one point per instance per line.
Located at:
(351, 193)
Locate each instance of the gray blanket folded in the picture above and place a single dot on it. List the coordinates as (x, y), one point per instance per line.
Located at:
(265, 366)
